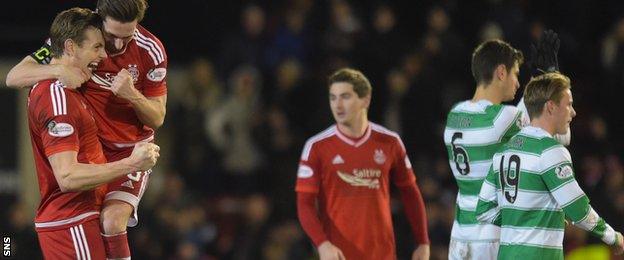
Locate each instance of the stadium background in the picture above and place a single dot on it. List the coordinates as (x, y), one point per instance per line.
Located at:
(247, 87)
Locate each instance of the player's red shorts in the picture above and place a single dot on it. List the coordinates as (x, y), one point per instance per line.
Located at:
(128, 188)
(82, 241)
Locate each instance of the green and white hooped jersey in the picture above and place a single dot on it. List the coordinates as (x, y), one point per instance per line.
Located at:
(474, 132)
(529, 191)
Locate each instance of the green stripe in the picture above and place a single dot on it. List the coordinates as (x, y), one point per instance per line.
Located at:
(516, 252)
(469, 187)
(600, 228)
(470, 120)
(531, 182)
(465, 217)
(533, 218)
(578, 209)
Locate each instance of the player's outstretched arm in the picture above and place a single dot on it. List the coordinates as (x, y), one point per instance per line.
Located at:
(28, 72)
(488, 210)
(74, 176)
(151, 111)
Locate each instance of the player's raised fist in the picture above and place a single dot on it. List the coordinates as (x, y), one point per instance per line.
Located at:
(145, 155)
(123, 85)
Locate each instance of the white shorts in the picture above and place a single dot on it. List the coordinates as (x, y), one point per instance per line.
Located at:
(469, 250)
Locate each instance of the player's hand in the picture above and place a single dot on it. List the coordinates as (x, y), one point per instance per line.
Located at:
(421, 253)
(123, 85)
(618, 246)
(145, 155)
(71, 76)
(544, 54)
(327, 251)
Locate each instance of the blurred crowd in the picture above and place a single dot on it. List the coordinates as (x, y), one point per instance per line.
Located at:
(237, 121)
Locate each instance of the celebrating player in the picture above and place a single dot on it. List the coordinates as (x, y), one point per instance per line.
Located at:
(127, 94)
(347, 170)
(69, 158)
(530, 189)
(474, 130)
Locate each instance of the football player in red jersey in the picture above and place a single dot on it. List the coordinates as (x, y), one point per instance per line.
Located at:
(346, 170)
(69, 158)
(127, 93)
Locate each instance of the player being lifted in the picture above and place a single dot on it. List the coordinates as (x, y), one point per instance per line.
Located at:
(347, 169)
(69, 158)
(127, 94)
(530, 189)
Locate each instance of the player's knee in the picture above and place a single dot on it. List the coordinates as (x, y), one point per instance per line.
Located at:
(114, 217)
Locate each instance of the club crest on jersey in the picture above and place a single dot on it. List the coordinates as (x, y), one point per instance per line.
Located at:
(60, 129)
(380, 157)
(134, 72)
(564, 172)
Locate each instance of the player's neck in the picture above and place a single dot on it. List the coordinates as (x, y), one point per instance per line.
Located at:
(489, 93)
(354, 130)
(543, 123)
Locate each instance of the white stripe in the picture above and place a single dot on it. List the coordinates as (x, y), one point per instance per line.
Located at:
(532, 236)
(475, 232)
(567, 193)
(554, 156)
(531, 200)
(308, 146)
(59, 100)
(363, 140)
(158, 51)
(126, 145)
(467, 202)
(84, 239)
(80, 243)
(386, 131)
(151, 54)
(63, 100)
(53, 97)
(486, 135)
(488, 192)
(71, 230)
(65, 221)
(478, 170)
(101, 81)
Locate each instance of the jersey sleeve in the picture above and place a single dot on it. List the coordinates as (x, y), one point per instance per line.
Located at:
(156, 64)
(43, 55)
(558, 175)
(309, 172)
(57, 120)
(487, 210)
(510, 122)
(402, 173)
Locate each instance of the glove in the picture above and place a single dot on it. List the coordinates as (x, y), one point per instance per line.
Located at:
(544, 54)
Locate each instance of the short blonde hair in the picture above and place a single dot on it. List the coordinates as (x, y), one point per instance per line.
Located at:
(541, 89)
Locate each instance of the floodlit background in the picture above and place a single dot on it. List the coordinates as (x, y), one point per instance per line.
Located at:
(247, 87)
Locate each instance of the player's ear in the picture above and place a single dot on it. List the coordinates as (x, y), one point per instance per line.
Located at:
(500, 72)
(549, 107)
(69, 47)
(367, 100)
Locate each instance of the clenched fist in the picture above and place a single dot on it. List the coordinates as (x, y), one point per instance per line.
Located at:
(145, 155)
(123, 85)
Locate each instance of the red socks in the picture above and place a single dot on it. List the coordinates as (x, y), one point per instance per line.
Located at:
(116, 246)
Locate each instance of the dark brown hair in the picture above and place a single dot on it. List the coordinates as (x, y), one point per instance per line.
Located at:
(71, 24)
(361, 85)
(488, 55)
(124, 11)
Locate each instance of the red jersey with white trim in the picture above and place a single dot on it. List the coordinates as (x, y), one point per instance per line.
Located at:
(146, 60)
(60, 121)
(352, 181)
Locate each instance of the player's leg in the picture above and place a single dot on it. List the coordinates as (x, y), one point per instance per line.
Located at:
(81, 241)
(115, 215)
(119, 211)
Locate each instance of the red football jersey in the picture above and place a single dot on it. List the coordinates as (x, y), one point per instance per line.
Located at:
(146, 60)
(352, 179)
(60, 121)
